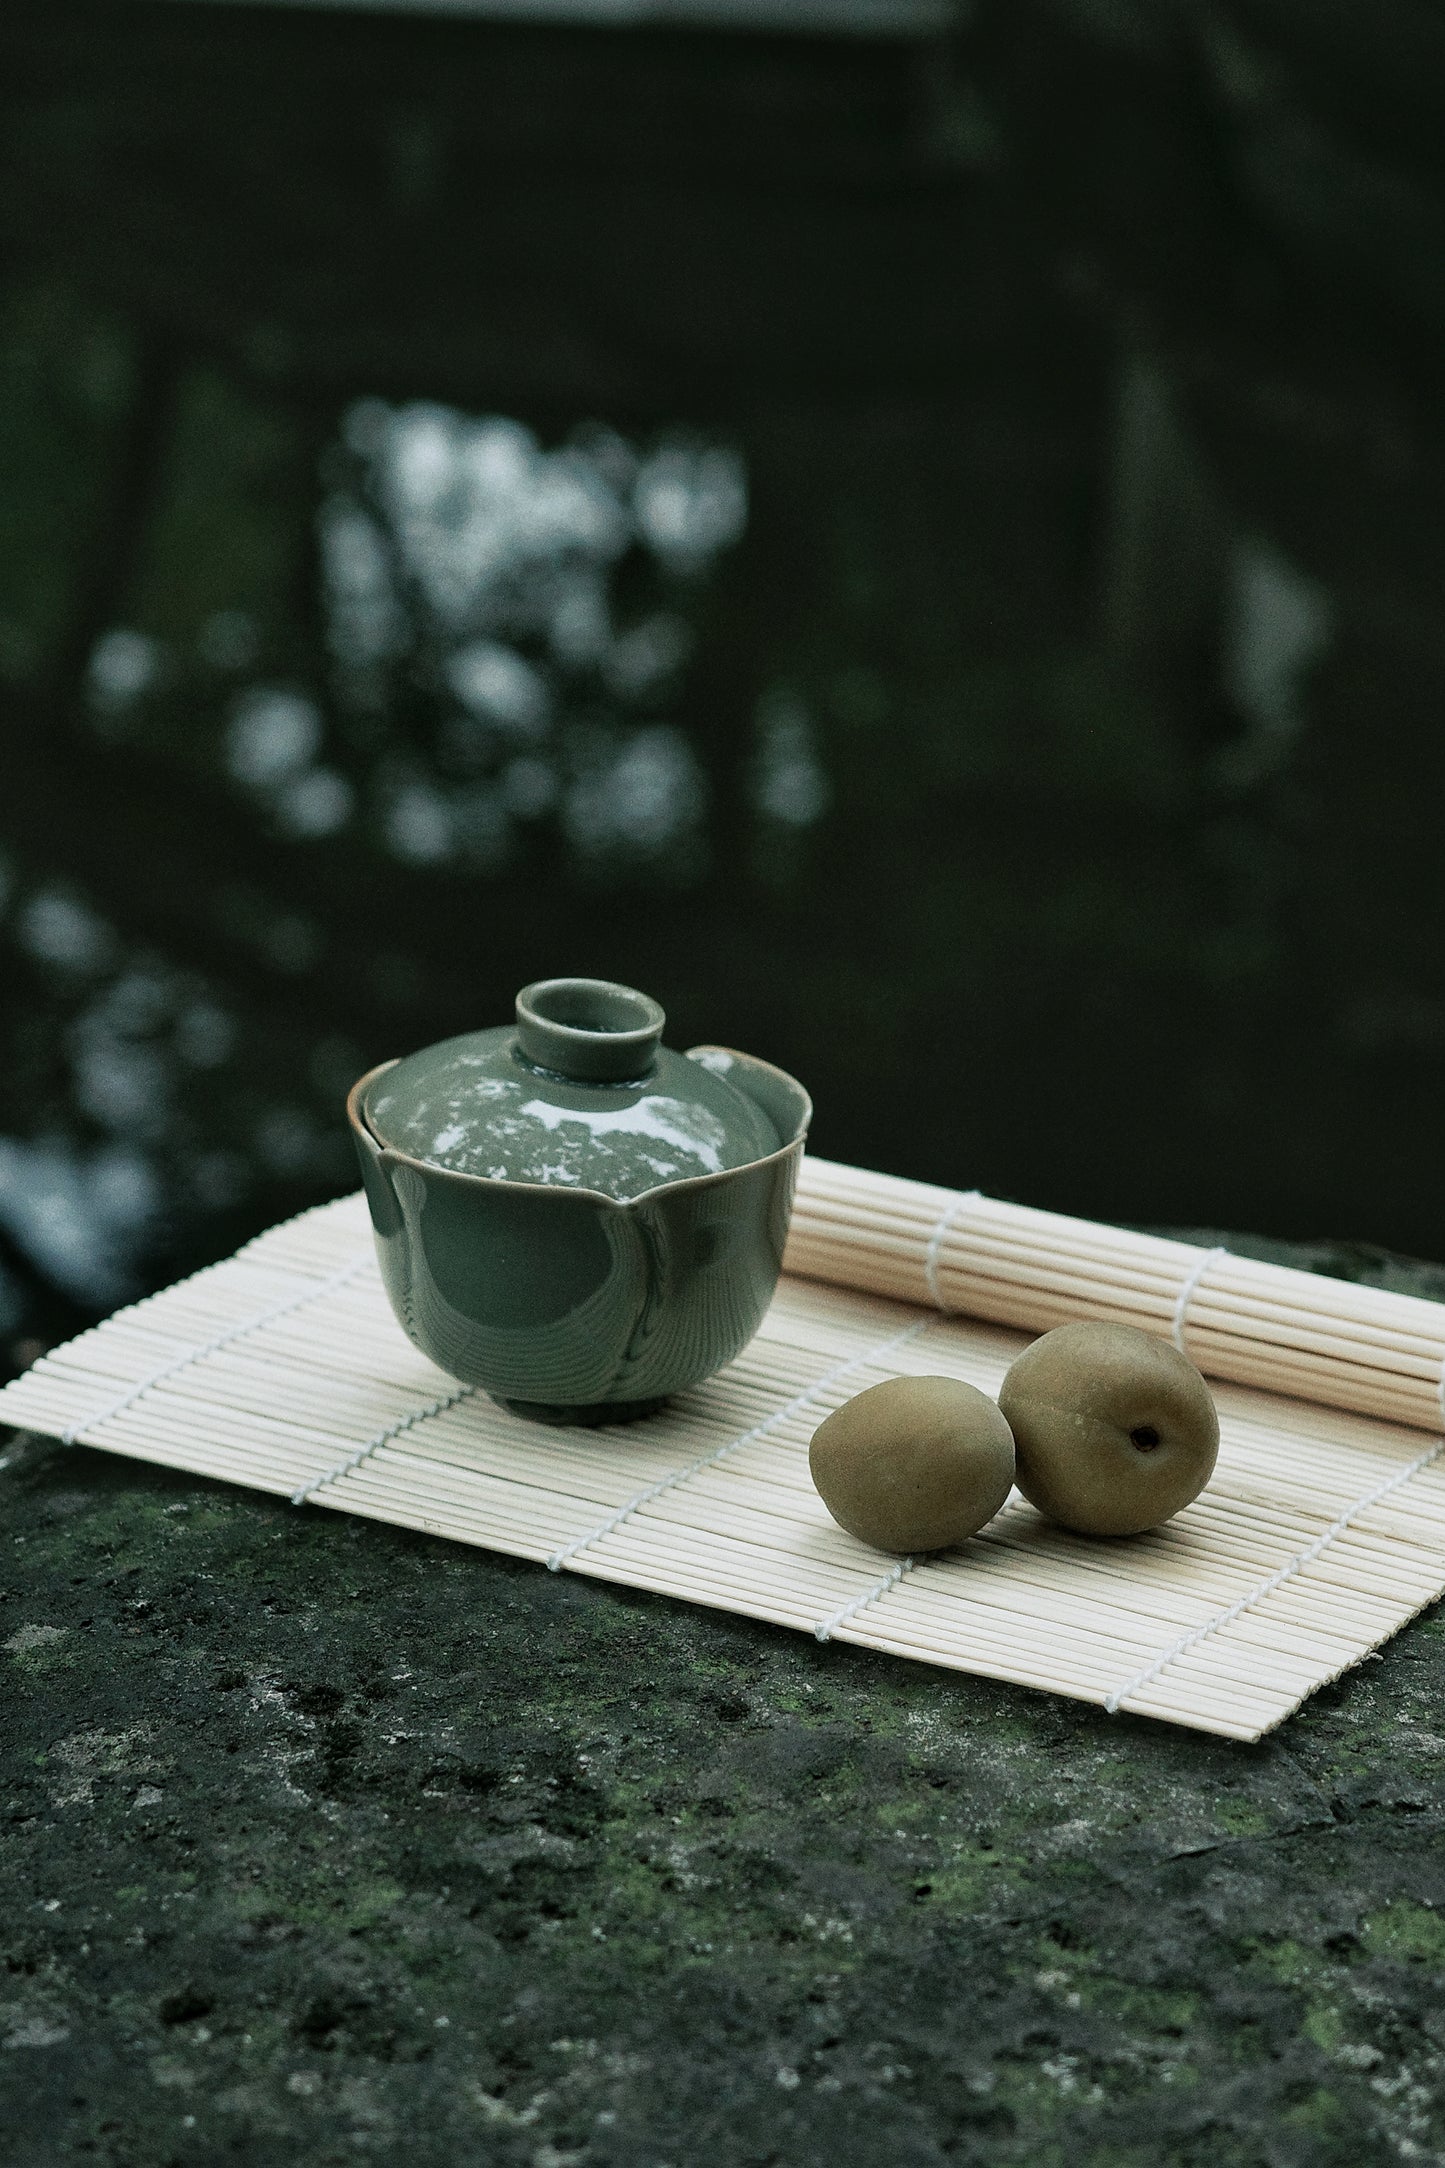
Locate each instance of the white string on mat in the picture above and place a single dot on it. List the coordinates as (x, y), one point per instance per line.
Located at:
(219, 1340)
(1189, 1290)
(935, 1242)
(759, 1430)
(825, 1627)
(1276, 1580)
(402, 1424)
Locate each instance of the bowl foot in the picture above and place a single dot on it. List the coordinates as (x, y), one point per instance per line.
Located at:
(585, 1414)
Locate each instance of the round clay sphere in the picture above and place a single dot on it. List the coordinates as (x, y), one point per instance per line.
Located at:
(913, 1464)
(1113, 1429)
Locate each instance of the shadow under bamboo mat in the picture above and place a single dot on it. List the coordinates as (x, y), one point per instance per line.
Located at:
(1320, 1535)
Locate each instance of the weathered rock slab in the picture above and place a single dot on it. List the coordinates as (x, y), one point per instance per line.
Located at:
(321, 1840)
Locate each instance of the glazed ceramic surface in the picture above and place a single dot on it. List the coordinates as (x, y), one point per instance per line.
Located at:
(572, 1216)
(481, 1105)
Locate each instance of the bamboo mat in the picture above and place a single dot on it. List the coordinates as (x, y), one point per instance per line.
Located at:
(283, 1369)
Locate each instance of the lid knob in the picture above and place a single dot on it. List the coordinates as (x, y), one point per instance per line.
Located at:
(590, 1029)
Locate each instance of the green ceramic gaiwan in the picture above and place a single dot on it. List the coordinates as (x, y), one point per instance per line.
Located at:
(569, 1214)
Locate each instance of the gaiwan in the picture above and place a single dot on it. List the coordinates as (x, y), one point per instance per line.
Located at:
(571, 1215)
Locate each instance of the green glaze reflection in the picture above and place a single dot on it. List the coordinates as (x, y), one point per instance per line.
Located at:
(477, 1106)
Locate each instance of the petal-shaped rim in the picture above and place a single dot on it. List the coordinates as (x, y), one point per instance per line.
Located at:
(357, 1118)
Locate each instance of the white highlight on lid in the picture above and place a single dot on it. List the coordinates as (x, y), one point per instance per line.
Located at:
(685, 1128)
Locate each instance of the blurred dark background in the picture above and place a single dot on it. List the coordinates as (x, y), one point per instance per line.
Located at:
(911, 532)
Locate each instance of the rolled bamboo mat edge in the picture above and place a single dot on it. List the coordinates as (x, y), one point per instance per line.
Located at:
(1364, 1349)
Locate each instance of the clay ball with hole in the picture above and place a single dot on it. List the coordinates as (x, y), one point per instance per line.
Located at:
(1114, 1430)
(914, 1464)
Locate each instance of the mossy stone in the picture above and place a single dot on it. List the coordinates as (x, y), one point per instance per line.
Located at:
(1114, 1430)
(913, 1464)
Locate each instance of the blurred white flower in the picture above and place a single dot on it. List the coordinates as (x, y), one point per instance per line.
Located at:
(477, 502)
(286, 1140)
(316, 803)
(78, 1217)
(690, 502)
(365, 620)
(205, 1035)
(55, 927)
(499, 686)
(418, 825)
(580, 625)
(647, 655)
(789, 783)
(272, 734)
(1279, 623)
(123, 1084)
(123, 665)
(649, 795)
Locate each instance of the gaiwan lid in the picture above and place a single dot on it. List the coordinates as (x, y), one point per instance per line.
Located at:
(579, 1092)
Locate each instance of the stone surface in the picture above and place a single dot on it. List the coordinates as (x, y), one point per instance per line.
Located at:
(321, 1840)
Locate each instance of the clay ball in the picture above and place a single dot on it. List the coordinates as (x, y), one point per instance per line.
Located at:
(914, 1464)
(1114, 1430)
